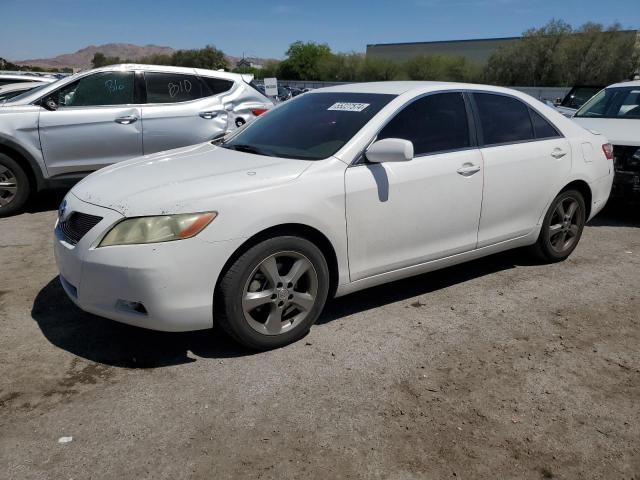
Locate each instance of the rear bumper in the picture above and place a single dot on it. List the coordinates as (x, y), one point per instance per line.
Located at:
(173, 281)
(600, 192)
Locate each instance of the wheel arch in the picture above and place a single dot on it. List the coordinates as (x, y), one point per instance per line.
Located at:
(25, 160)
(295, 229)
(584, 188)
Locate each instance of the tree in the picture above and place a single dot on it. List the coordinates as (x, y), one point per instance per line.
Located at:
(441, 67)
(304, 60)
(378, 69)
(100, 60)
(558, 55)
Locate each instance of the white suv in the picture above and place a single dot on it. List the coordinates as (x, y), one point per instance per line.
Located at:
(65, 130)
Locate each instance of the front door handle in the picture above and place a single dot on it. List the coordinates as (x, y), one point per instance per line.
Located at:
(468, 169)
(558, 153)
(128, 120)
(208, 115)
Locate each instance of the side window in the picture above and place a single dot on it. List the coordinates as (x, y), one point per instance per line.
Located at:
(503, 119)
(172, 87)
(217, 85)
(105, 88)
(434, 123)
(542, 127)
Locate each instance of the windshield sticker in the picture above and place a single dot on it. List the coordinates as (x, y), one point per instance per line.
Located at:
(348, 107)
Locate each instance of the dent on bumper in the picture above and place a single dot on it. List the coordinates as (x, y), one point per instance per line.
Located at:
(174, 281)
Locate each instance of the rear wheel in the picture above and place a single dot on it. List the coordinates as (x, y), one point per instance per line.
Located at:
(273, 293)
(14, 186)
(562, 227)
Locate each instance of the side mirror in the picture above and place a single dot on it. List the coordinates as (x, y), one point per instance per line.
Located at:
(50, 104)
(390, 150)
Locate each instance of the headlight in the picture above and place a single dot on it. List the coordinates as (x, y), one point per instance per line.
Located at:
(164, 228)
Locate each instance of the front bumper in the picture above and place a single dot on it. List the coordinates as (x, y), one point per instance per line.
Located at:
(174, 281)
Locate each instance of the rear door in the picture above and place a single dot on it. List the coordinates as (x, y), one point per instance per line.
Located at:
(181, 110)
(525, 161)
(96, 124)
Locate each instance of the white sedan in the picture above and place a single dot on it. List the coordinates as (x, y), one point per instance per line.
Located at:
(334, 191)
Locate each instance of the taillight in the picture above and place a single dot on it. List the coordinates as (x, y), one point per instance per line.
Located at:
(259, 111)
(607, 148)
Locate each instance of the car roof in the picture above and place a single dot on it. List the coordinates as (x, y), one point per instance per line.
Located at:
(633, 83)
(170, 69)
(402, 87)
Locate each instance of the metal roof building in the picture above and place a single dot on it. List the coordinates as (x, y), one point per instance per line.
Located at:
(477, 51)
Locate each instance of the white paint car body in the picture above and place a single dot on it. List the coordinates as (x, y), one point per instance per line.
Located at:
(383, 221)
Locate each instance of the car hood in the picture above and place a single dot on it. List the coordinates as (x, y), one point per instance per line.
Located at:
(618, 131)
(184, 180)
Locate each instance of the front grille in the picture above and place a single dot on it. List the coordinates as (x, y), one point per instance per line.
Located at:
(77, 225)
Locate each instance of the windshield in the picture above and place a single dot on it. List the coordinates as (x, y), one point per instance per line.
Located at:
(309, 127)
(619, 102)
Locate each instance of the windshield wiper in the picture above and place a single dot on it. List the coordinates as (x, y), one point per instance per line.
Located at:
(247, 149)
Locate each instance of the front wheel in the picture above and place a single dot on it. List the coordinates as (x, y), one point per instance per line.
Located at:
(272, 294)
(562, 227)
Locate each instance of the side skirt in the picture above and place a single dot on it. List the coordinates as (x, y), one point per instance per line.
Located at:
(432, 265)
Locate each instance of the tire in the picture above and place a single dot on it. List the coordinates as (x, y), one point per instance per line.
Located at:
(14, 186)
(562, 227)
(262, 308)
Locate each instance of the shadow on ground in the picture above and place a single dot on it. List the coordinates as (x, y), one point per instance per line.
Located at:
(115, 344)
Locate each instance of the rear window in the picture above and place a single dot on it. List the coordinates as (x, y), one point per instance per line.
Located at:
(619, 102)
(217, 85)
(309, 127)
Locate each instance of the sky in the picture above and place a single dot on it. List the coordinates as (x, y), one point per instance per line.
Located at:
(45, 28)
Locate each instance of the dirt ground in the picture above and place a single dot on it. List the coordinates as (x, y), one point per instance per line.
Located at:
(500, 368)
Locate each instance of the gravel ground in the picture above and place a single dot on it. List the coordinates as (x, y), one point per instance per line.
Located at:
(500, 368)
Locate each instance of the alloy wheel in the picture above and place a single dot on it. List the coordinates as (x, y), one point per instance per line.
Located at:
(280, 293)
(8, 186)
(564, 225)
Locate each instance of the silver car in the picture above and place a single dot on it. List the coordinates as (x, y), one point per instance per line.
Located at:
(59, 133)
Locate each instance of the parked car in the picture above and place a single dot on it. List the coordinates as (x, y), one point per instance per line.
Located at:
(615, 112)
(253, 233)
(103, 116)
(8, 78)
(576, 97)
(284, 93)
(14, 89)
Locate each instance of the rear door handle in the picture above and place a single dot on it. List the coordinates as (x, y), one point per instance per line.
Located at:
(558, 153)
(468, 169)
(208, 115)
(129, 119)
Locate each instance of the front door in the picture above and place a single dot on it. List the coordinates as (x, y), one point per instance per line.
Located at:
(97, 123)
(404, 214)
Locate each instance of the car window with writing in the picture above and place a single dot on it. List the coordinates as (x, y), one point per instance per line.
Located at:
(172, 87)
(99, 89)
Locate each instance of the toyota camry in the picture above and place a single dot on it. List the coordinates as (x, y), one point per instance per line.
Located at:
(335, 191)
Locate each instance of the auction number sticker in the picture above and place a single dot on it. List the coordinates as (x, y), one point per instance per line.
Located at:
(348, 107)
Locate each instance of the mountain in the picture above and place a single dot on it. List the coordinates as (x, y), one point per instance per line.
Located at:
(82, 58)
